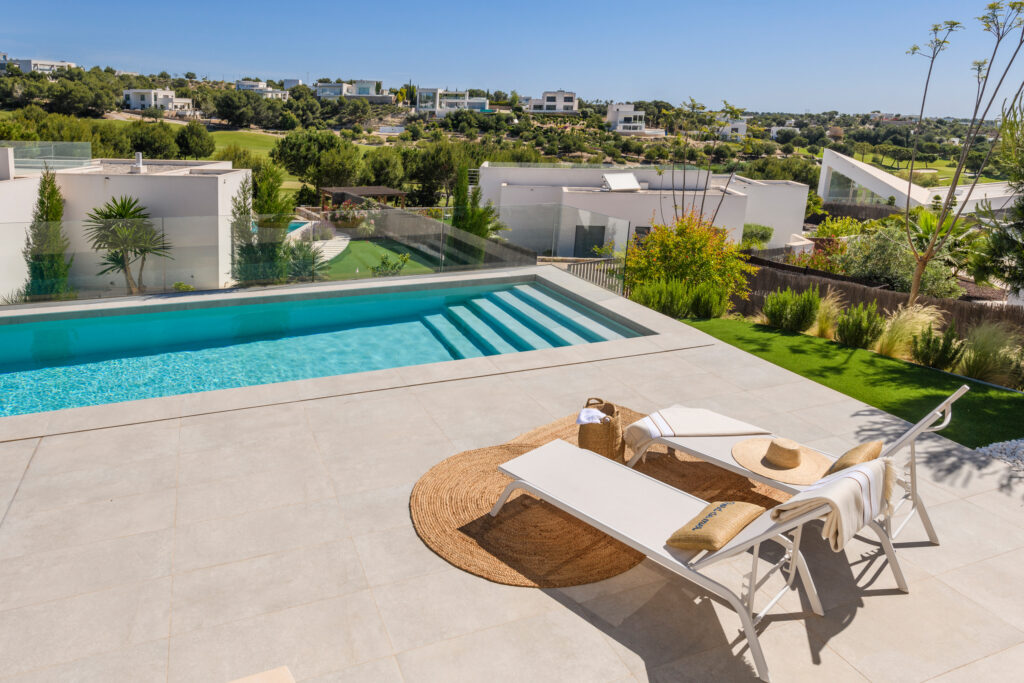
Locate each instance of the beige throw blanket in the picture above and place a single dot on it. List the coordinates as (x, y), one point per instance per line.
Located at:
(855, 496)
(679, 421)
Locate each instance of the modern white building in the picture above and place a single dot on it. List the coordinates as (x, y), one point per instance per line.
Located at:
(261, 89)
(440, 102)
(45, 66)
(624, 119)
(847, 180)
(733, 129)
(366, 90)
(161, 99)
(554, 102)
(567, 210)
(189, 200)
(773, 132)
(290, 83)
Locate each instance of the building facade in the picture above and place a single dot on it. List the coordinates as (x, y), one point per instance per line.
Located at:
(624, 119)
(367, 90)
(189, 200)
(45, 66)
(554, 102)
(440, 102)
(568, 210)
(156, 98)
(261, 89)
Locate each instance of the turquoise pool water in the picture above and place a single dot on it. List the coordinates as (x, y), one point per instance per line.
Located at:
(49, 365)
(295, 225)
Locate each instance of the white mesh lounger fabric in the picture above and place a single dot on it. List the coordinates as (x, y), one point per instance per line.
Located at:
(717, 450)
(643, 512)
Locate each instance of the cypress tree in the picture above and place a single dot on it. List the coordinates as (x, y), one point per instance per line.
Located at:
(45, 244)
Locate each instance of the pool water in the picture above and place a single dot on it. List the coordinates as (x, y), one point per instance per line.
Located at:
(295, 225)
(54, 364)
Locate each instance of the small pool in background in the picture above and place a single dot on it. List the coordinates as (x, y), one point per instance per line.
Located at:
(295, 225)
(54, 364)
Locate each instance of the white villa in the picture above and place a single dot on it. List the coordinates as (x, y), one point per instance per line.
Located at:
(290, 83)
(440, 102)
(261, 89)
(845, 179)
(161, 99)
(555, 102)
(773, 132)
(733, 129)
(624, 119)
(45, 66)
(189, 200)
(567, 210)
(367, 90)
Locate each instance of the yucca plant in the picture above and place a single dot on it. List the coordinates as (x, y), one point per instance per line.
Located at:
(992, 353)
(860, 326)
(905, 323)
(828, 312)
(122, 230)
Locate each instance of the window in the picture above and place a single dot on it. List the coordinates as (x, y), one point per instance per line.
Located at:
(566, 107)
(641, 231)
(549, 98)
(567, 98)
(588, 237)
(550, 107)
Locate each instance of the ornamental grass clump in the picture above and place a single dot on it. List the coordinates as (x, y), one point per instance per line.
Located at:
(790, 311)
(993, 354)
(905, 323)
(937, 351)
(860, 326)
(828, 312)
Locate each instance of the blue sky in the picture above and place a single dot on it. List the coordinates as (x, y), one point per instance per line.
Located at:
(765, 56)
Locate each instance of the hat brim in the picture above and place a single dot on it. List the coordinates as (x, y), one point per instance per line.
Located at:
(750, 453)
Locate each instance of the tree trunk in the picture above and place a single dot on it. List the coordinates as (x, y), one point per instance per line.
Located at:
(142, 264)
(128, 279)
(915, 283)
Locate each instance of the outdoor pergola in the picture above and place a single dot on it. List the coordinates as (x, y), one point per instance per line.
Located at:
(337, 195)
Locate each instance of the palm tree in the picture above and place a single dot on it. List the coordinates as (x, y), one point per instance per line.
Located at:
(122, 229)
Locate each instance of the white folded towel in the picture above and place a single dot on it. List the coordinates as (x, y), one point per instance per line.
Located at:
(680, 421)
(855, 496)
(590, 416)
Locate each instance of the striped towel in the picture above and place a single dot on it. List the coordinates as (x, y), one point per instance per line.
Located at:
(855, 495)
(679, 421)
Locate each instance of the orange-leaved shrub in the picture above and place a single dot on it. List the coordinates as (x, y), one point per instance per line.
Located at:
(691, 250)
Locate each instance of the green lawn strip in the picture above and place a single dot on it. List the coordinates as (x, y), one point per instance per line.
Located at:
(257, 143)
(362, 254)
(982, 416)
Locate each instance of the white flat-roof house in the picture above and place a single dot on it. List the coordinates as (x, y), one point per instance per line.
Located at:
(261, 89)
(189, 200)
(142, 98)
(568, 210)
(624, 119)
(847, 180)
(290, 83)
(555, 102)
(440, 102)
(45, 66)
(366, 90)
(773, 132)
(733, 129)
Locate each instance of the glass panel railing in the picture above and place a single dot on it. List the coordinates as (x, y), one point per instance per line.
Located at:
(35, 155)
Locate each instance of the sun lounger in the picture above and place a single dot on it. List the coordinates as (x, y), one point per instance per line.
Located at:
(643, 512)
(718, 451)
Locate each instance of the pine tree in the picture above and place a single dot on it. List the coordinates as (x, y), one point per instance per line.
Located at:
(45, 244)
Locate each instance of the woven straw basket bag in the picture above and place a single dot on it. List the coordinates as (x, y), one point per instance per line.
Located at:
(605, 437)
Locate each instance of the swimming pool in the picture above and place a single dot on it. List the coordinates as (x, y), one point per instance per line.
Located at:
(80, 361)
(295, 225)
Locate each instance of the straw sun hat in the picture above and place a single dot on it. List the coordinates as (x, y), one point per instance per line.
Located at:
(781, 459)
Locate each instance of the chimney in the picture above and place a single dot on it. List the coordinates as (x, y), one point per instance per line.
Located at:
(138, 166)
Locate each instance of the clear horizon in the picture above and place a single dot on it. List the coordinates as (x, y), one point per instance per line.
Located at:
(808, 58)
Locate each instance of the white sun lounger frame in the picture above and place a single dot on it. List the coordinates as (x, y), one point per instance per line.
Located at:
(642, 513)
(717, 450)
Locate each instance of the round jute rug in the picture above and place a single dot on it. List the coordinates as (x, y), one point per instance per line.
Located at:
(532, 543)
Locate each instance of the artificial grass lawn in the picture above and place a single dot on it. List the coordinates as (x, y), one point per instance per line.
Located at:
(982, 416)
(257, 143)
(362, 254)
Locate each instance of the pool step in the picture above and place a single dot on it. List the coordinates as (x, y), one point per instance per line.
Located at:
(478, 331)
(539, 322)
(583, 325)
(458, 344)
(521, 336)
